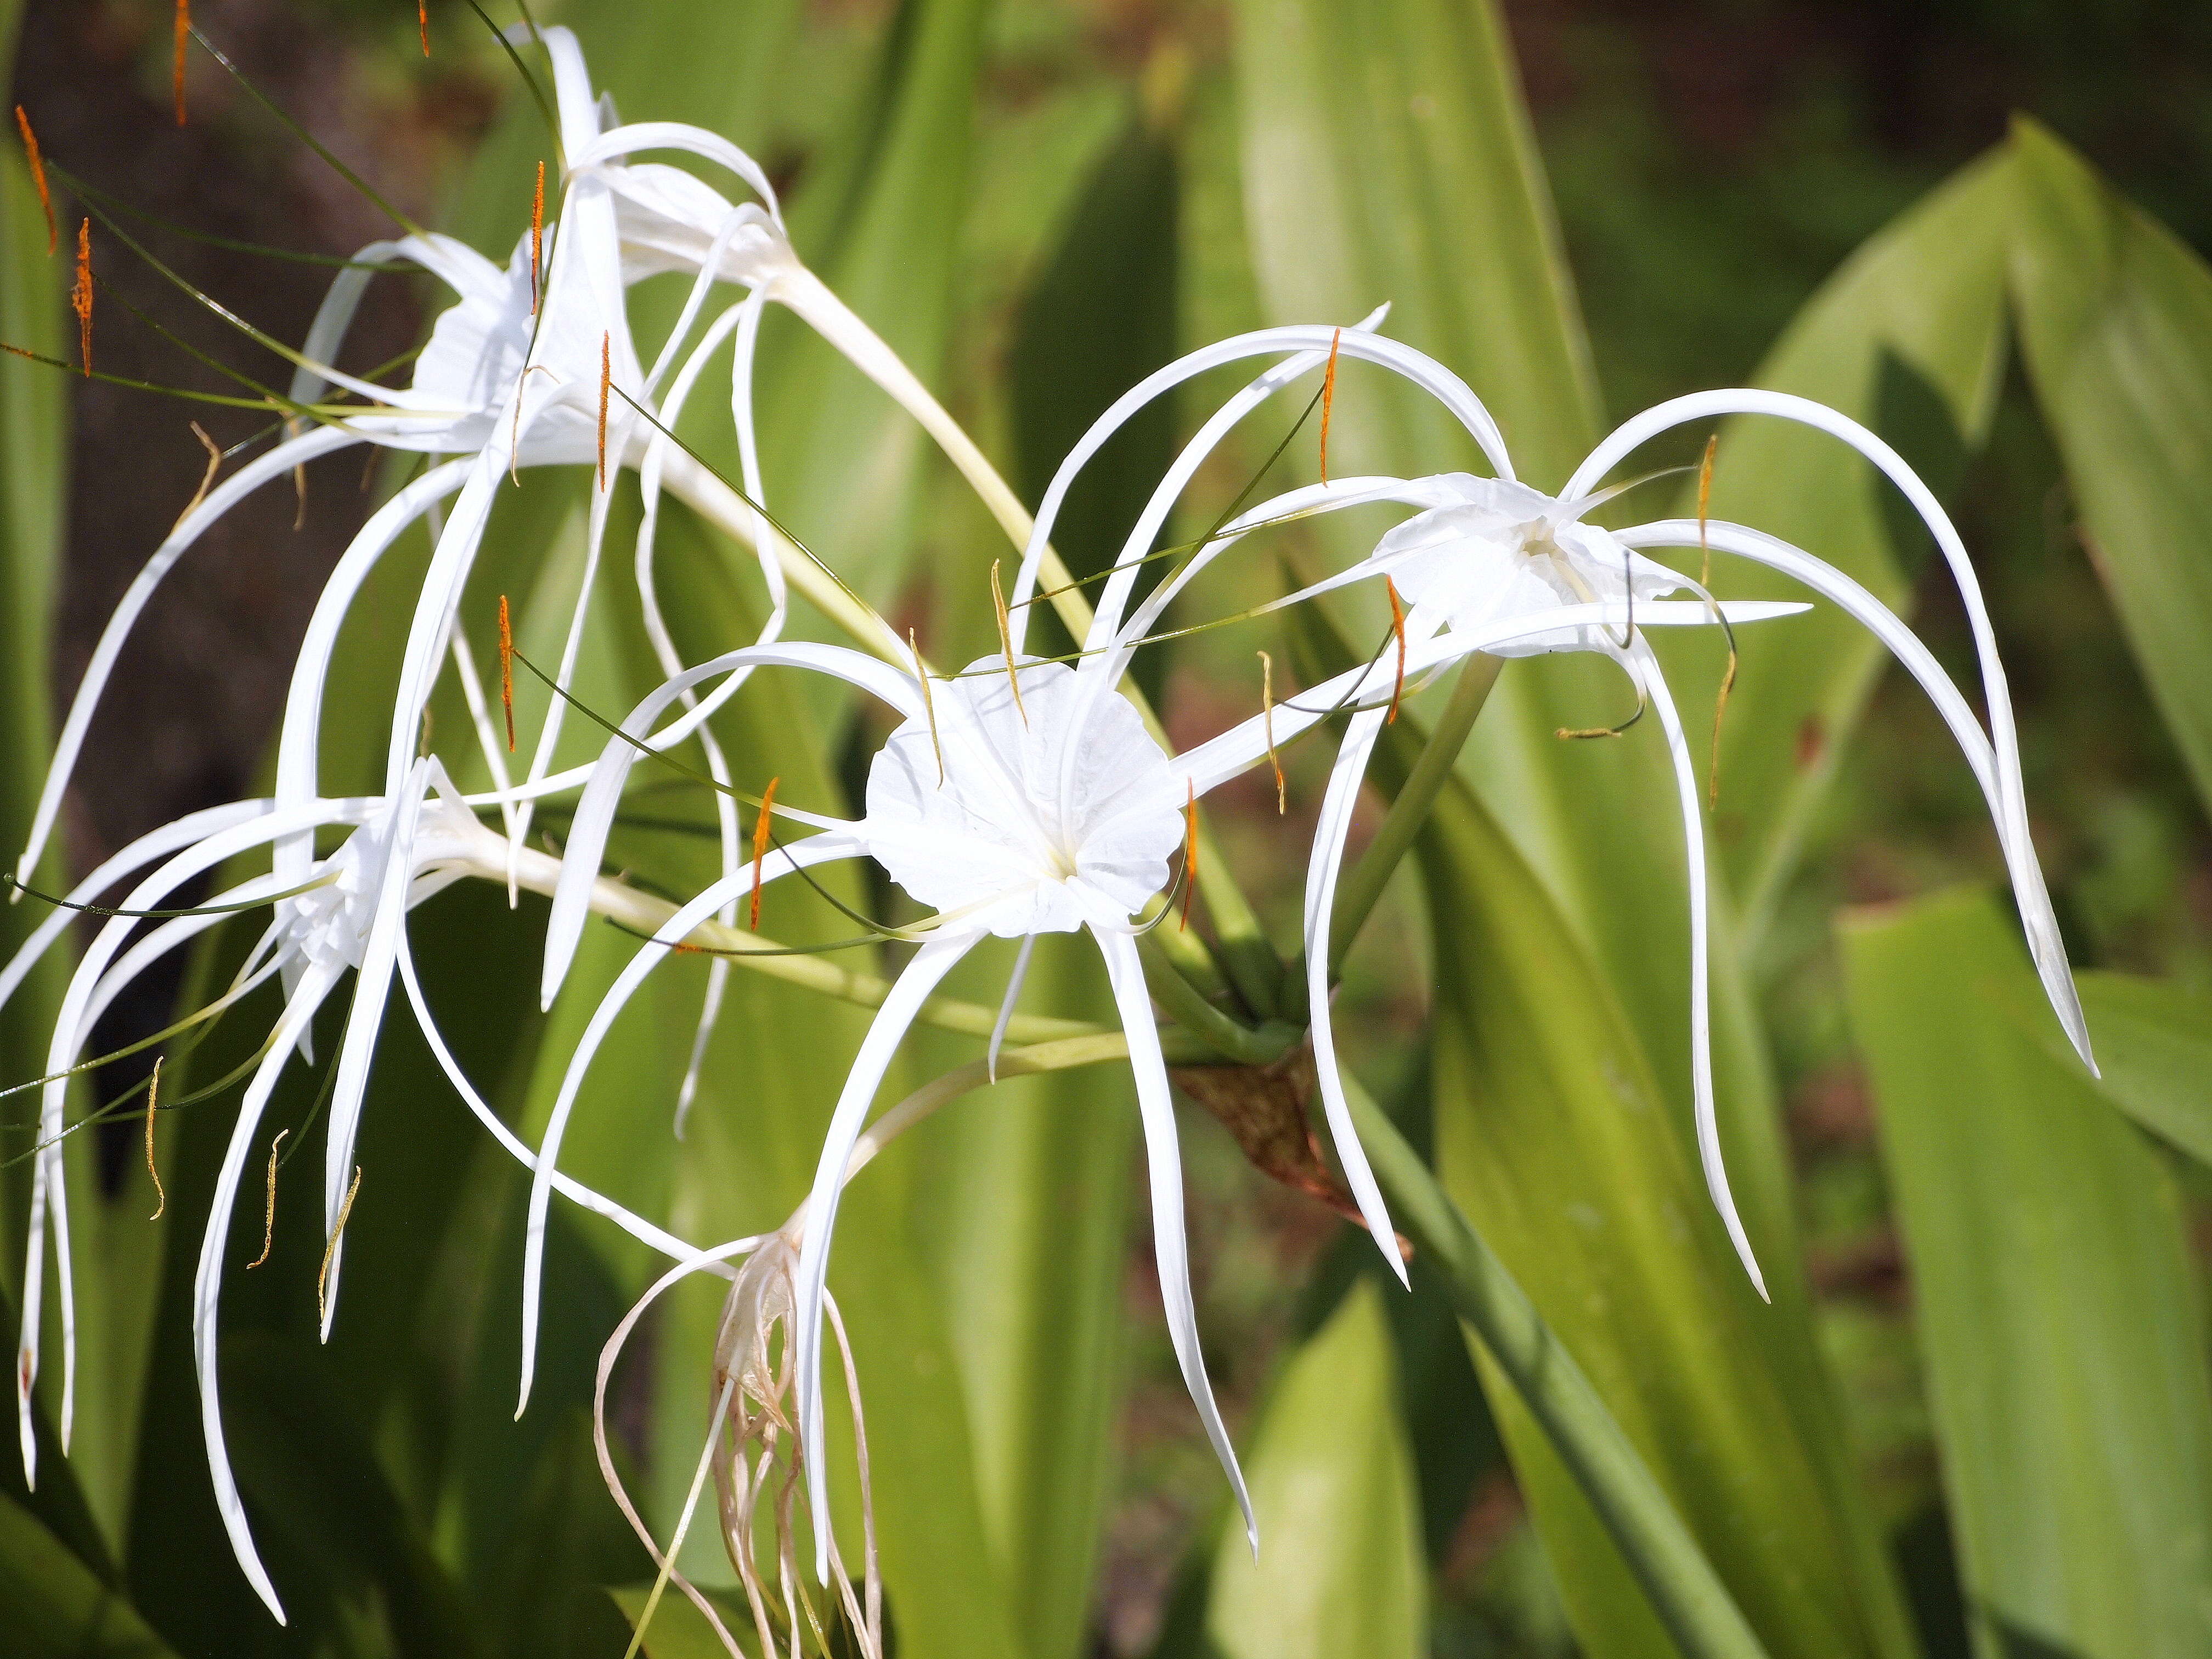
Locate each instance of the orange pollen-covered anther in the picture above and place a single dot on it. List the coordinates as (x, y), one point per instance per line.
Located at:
(506, 671)
(1189, 850)
(81, 293)
(606, 381)
(423, 22)
(1328, 399)
(38, 177)
(1397, 627)
(537, 236)
(183, 33)
(762, 825)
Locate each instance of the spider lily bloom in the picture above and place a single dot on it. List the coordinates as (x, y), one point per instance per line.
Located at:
(1014, 803)
(1481, 550)
(348, 916)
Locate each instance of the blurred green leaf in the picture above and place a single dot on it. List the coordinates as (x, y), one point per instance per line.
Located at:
(1908, 338)
(2056, 1302)
(1340, 1568)
(51, 1605)
(678, 1630)
(2116, 319)
(2154, 1048)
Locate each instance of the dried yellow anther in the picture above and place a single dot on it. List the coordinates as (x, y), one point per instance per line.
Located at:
(80, 294)
(1704, 499)
(1328, 399)
(207, 477)
(1398, 628)
(183, 33)
(269, 1216)
(1267, 724)
(606, 382)
(506, 671)
(537, 236)
(1006, 641)
(928, 704)
(761, 828)
(1189, 850)
(322, 1278)
(153, 1094)
(38, 178)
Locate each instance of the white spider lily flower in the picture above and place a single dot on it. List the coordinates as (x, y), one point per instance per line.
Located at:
(1015, 804)
(399, 853)
(1479, 551)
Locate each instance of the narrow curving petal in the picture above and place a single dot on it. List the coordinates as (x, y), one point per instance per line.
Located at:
(646, 1232)
(814, 850)
(595, 811)
(207, 1279)
(1337, 803)
(2047, 948)
(1643, 668)
(365, 1023)
(1164, 1162)
(299, 735)
(2014, 837)
(279, 462)
(937, 957)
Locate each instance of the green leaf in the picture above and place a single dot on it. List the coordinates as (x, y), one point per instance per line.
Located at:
(1554, 1138)
(678, 1630)
(51, 1605)
(2116, 319)
(1387, 156)
(1908, 338)
(33, 489)
(2057, 1301)
(1340, 1568)
(2154, 1048)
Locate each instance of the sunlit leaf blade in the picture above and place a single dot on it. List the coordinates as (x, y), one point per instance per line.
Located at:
(1908, 338)
(2056, 1302)
(2116, 320)
(1341, 1567)
(881, 224)
(1555, 1139)
(2154, 1050)
(678, 1630)
(33, 489)
(53, 1606)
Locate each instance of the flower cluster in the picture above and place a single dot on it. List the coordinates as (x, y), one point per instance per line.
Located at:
(1014, 797)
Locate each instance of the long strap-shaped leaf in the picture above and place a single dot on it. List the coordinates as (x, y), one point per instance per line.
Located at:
(1685, 1591)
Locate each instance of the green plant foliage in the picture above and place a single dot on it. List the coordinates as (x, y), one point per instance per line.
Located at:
(1909, 338)
(1340, 1568)
(2057, 1310)
(2116, 317)
(2154, 1050)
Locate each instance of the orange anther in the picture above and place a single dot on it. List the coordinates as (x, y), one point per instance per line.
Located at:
(506, 671)
(81, 293)
(153, 1094)
(183, 33)
(1328, 399)
(761, 828)
(606, 381)
(537, 236)
(423, 22)
(38, 176)
(1397, 627)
